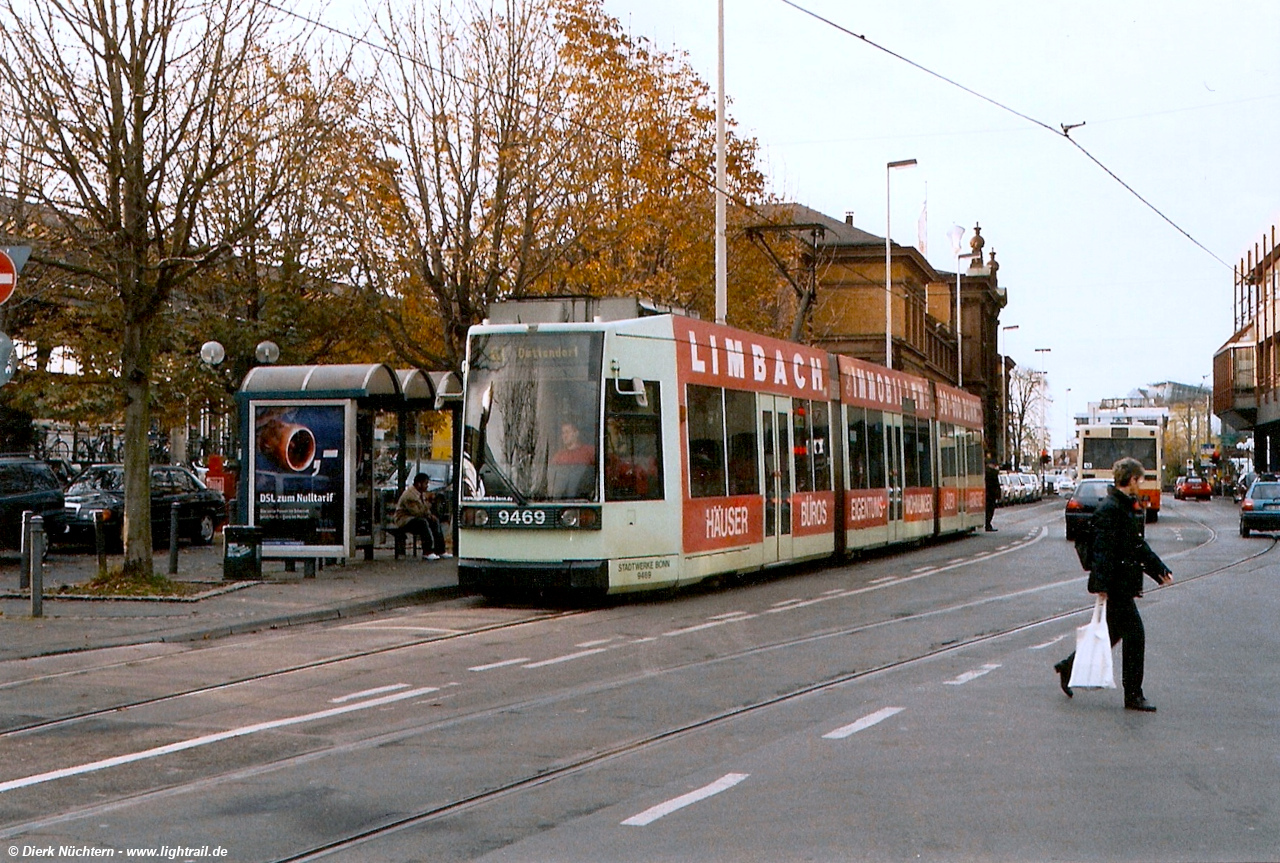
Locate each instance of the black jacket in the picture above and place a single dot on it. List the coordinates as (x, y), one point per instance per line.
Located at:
(1120, 554)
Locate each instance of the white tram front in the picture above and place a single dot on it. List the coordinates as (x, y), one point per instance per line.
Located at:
(653, 452)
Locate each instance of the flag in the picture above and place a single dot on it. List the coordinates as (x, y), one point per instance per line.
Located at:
(922, 227)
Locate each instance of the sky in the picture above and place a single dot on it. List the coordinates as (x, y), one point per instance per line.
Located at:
(1180, 100)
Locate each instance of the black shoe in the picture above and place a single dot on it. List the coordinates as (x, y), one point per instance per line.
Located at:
(991, 529)
(1064, 676)
(1139, 704)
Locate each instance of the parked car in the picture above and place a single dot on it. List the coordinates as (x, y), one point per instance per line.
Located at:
(28, 484)
(1011, 490)
(1088, 495)
(1064, 484)
(1030, 486)
(1188, 487)
(101, 489)
(1260, 509)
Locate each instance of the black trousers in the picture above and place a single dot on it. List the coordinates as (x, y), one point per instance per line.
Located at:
(430, 536)
(1125, 625)
(991, 507)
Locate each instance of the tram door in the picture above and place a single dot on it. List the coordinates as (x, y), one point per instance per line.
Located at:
(775, 437)
(894, 474)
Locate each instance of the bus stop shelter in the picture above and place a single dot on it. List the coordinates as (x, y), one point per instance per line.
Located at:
(307, 449)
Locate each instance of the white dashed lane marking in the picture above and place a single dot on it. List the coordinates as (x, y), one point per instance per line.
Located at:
(863, 723)
(971, 675)
(648, 816)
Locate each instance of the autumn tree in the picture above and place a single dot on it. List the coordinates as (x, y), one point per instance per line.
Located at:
(534, 148)
(136, 112)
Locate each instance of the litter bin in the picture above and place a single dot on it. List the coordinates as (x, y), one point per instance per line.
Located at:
(242, 559)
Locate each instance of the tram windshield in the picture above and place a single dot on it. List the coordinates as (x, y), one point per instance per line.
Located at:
(532, 417)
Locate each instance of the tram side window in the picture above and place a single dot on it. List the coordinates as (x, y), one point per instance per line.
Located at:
(820, 427)
(858, 476)
(633, 445)
(802, 445)
(975, 452)
(910, 453)
(924, 444)
(875, 449)
(706, 441)
(947, 444)
(744, 448)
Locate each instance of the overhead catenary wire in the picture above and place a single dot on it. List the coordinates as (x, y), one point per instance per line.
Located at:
(1063, 132)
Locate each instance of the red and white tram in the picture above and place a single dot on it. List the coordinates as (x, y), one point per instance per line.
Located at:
(658, 451)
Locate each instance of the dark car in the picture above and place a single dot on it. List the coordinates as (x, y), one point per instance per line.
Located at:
(101, 489)
(1088, 495)
(1260, 509)
(28, 484)
(1188, 487)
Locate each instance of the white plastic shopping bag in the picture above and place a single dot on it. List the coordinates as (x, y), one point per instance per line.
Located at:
(1092, 667)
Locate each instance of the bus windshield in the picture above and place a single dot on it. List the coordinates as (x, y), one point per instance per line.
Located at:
(532, 417)
(1100, 453)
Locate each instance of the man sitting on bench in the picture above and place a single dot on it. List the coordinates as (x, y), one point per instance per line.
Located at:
(414, 515)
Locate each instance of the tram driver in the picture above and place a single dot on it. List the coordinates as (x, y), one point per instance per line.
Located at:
(573, 467)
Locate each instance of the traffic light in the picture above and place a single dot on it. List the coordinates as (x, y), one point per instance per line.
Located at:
(1216, 458)
(1044, 456)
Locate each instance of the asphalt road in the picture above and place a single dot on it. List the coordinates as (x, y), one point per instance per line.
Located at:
(899, 708)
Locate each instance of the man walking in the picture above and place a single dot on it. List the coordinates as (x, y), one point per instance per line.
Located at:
(1119, 558)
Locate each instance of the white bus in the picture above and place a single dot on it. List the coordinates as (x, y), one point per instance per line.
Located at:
(1101, 446)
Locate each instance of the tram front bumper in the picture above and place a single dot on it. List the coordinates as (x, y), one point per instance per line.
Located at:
(495, 577)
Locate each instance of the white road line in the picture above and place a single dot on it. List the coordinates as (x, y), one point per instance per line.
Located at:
(970, 675)
(887, 578)
(786, 602)
(728, 615)
(567, 657)
(916, 570)
(503, 664)
(380, 626)
(597, 642)
(648, 816)
(1049, 643)
(716, 623)
(368, 692)
(643, 640)
(195, 742)
(865, 722)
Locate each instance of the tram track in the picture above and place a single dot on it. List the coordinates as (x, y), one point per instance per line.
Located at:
(50, 724)
(637, 745)
(575, 765)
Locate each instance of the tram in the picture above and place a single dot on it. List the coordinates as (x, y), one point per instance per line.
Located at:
(1102, 445)
(654, 452)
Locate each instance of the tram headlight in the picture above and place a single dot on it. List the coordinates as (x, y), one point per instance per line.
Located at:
(571, 517)
(475, 517)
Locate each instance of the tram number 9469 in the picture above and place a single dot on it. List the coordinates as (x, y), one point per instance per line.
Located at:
(521, 517)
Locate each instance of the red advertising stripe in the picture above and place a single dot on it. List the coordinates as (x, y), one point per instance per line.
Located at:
(866, 508)
(724, 357)
(868, 385)
(975, 499)
(712, 523)
(948, 502)
(917, 504)
(813, 513)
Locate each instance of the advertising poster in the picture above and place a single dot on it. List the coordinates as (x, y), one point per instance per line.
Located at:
(299, 495)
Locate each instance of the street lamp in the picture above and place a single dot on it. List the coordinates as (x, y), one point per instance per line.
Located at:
(888, 261)
(1066, 429)
(1004, 392)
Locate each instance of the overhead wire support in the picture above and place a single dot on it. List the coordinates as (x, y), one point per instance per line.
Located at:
(1062, 132)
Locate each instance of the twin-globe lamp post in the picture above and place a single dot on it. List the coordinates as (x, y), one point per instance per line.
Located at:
(888, 262)
(212, 354)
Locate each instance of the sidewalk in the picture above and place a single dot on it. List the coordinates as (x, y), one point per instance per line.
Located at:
(225, 608)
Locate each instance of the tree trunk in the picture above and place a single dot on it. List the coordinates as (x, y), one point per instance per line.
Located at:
(135, 365)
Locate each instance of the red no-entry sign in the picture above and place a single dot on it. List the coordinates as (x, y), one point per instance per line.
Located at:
(8, 277)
